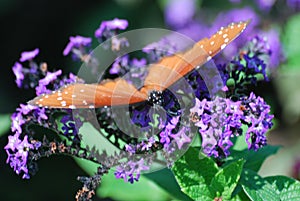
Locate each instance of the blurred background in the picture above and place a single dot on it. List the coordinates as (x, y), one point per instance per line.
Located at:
(47, 24)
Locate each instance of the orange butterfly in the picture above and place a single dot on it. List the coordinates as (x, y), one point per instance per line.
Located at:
(161, 75)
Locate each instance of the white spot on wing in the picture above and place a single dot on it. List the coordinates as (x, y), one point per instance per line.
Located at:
(223, 46)
(72, 106)
(225, 35)
(212, 42)
(208, 58)
(59, 98)
(226, 40)
(63, 103)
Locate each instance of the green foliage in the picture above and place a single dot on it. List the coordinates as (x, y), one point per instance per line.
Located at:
(291, 42)
(4, 123)
(202, 179)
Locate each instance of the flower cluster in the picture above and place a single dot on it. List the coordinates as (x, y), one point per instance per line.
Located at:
(17, 150)
(221, 119)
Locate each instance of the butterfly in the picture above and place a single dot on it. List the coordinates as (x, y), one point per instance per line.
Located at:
(161, 75)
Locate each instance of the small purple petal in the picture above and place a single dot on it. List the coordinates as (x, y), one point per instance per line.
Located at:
(17, 69)
(179, 12)
(25, 56)
(77, 42)
(50, 77)
(111, 25)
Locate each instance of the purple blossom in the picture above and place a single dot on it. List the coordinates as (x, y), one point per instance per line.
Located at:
(165, 134)
(29, 55)
(72, 79)
(76, 42)
(180, 137)
(50, 77)
(17, 151)
(17, 69)
(118, 43)
(131, 170)
(17, 122)
(148, 144)
(259, 119)
(216, 123)
(275, 48)
(179, 12)
(118, 64)
(25, 109)
(111, 25)
(265, 5)
(157, 50)
(138, 63)
(71, 125)
(293, 4)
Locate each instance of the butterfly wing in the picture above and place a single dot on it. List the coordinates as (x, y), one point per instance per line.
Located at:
(174, 67)
(77, 95)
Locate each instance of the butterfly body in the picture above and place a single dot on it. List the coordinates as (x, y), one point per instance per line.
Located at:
(160, 76)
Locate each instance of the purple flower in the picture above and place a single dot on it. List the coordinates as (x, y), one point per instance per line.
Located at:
(148, 144)
(76, 42)
(131, 170)
(275, 47)
(163, 47)
(217, 121)
(119, 63)
(25, 109)
(181, 138)
(111, 25)
(138, 63)
(17, 69)
(26, 56)
(17, 122)
(17, 152)
(13, 142)
(179, 12)
(293, 4)
(71, 125)
(260, 120)
(265, 5)
(50, 77)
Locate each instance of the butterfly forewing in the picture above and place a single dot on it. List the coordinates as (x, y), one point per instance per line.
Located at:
(77, 95)
(175, 67)
(160, 76)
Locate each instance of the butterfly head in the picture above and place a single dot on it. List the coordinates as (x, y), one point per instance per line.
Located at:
(156, 98)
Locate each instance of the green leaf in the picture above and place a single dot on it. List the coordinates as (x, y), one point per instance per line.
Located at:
(166, 180)
(4, 123)
(257, 188)
(291, 42)
(226, 180)
(255, 159)
(194, 174)
(286, 188)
